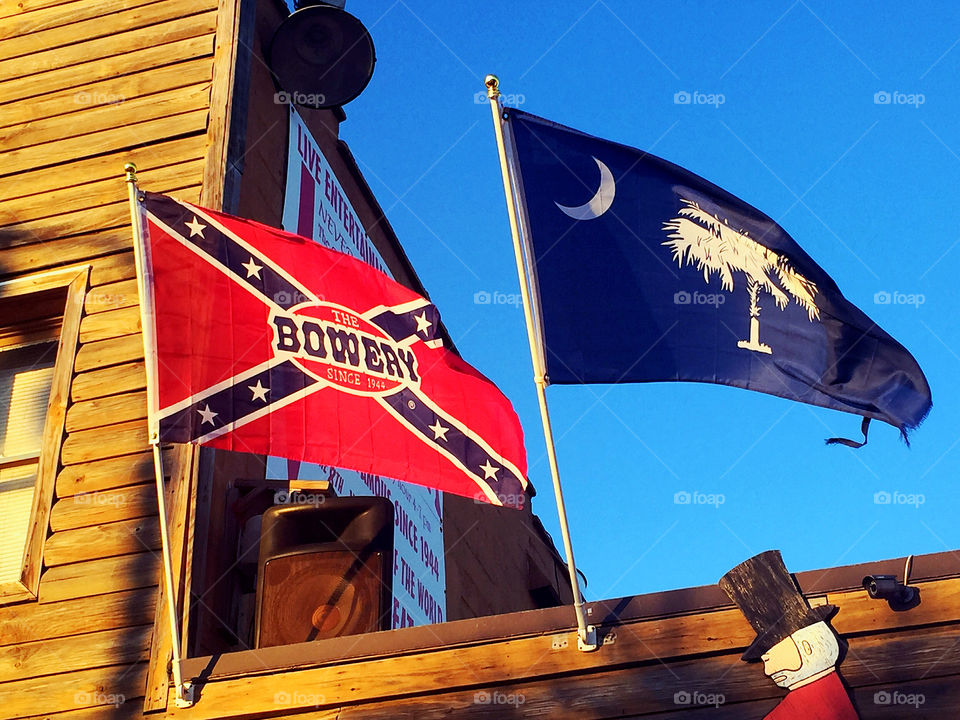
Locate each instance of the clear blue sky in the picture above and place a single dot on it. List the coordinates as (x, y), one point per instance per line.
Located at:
(866, 189)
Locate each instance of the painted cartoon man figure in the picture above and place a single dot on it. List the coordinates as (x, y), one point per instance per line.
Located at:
(798, 648)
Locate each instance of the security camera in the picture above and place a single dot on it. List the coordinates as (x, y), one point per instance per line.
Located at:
(887, 587)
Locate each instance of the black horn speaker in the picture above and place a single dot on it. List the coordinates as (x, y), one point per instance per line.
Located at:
(321, 56)
(324, 571)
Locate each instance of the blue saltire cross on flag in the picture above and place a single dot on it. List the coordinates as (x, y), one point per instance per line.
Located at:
(695, 284)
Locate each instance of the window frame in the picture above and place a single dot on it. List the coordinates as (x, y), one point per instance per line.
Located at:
(75, 281)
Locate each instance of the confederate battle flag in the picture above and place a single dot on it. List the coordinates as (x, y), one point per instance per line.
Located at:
(269, 343)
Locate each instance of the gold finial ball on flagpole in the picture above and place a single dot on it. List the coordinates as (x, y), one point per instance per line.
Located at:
(131, 170)
(493, 85)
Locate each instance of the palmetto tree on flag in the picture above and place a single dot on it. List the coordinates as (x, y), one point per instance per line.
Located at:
(701, 239)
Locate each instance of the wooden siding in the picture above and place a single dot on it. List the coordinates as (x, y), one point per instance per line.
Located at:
(642, 665)
(85, 87)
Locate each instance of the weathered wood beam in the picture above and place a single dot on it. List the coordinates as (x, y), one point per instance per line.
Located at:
(105, 474)
(111, 352)
(104, 506)
(85, 579)
(109, 380)
(22, 624)
(101, 541)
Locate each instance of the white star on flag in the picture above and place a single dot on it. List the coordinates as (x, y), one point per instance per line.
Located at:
(489, 471)
(196, 227)
(259, 391)
(207, 414)
(439, 431)
(422, 323)
(253, 270)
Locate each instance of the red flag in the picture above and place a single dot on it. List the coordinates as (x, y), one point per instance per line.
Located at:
(269, 343)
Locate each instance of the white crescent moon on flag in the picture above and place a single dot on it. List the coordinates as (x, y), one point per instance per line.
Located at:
(599, 203)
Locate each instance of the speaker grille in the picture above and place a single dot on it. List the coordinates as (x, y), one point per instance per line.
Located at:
(316, 595)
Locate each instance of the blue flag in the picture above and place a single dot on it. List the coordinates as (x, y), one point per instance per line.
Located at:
(647, 272)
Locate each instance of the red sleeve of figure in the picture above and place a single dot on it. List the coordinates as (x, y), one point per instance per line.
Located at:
(823, 699)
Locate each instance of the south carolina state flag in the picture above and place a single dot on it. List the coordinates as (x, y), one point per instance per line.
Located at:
(647, 272)
(269, 343)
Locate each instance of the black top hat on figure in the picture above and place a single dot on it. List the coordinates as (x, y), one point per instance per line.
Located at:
(765, 593)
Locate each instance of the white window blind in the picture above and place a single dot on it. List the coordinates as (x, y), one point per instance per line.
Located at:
(25, 378)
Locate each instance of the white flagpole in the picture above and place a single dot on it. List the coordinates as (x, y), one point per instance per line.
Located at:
(587, 634)
(184, 696)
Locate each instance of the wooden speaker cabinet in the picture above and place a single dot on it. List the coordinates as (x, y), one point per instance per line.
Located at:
(324, 570)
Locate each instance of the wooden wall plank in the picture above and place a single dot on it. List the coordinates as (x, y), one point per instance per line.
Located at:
(129, 710)
(72, 691)
(104, 442)
(94, 194)
(43, 44)
(110, 324)
(104, 353)
(654, 642)
(97, 118)
(20, 8)
(556, 683)
(111, 296)
(113, 215)
(24, 257)
(108, 381)
(166, 28)
(123, 135)
(124, 572)
(150, 56)
(117, 267)
(107, 411)
(107, 93)
(102, 167)
(102, 541)
(104, 506)
(22, 623)
(79, 652)
(69, 12)
(105, 474)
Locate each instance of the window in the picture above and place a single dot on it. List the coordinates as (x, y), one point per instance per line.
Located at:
(39, 324)
(26, 373)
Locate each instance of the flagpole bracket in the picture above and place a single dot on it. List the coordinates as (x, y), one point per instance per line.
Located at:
(587, 641)
(185, 697)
